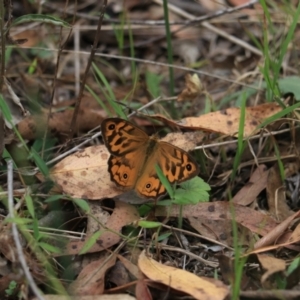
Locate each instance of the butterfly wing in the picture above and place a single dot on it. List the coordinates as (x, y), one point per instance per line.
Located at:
(176, 164)
(127, 145)
(122, 137)
(134, 156)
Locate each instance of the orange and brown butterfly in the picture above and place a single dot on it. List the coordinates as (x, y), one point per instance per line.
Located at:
(134, 155)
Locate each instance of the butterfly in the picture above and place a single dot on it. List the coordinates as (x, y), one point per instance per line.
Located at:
(134, 155)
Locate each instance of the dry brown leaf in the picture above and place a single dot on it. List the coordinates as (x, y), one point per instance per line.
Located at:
(96, 217)
(227, 121)
(256, 221)
(122, 215)
(226, 267)
(278, 207)
(271, 265)
(141, 289)
(257, 182)
(91, 279)
(221, 230)
(273, 235)
(181, 280)
(84, 174)
(88, 118)
(186, 141)
(118, 275)
(193, 88)
(132, 268)
(295, 237)
(13, 101)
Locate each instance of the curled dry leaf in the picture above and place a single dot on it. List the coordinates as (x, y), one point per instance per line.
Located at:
(257, 182)
(268, 239)
(181, 280)
(270, 265)
(193, 88)
(227, 121)
(18, 112)
(276, 196)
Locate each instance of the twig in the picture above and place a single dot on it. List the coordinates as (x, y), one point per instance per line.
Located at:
(145, 61)
(214, 15)
(214, 29)
(91, 57)
(54, 81)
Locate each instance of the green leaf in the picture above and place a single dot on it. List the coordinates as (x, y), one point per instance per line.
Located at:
(30, 205)
(82, 204)
(53, 198)
(5, 109)
(49, 247)
(164, 236)
(290, 84)
(192, 191)
(144, 209)
(91, 242)
(39, 162)
(149, 224)
(19, 221)
(153, 81)
(293, 266)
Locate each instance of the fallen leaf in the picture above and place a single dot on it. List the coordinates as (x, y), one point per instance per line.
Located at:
(84, 174)
(141, 289)
(123, 214)
(221, 230)
(273, 235)
(220, 210)
(181, 280)
(270, 265)
(118, 275)
(226, 121)
(91, 279)
(193, 88)
(249, 192)
(131, 267)
(276, 197)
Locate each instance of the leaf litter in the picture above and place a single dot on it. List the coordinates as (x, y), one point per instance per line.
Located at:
(252, 217)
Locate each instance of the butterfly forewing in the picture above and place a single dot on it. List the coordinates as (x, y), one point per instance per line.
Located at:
(121, 136)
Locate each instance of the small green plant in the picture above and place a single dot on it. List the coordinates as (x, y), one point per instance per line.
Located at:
(11, 288)
(192, 191)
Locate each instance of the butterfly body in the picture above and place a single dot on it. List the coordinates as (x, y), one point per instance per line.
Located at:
(134, 155)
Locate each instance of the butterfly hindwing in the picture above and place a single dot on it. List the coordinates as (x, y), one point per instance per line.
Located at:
(176, 164)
